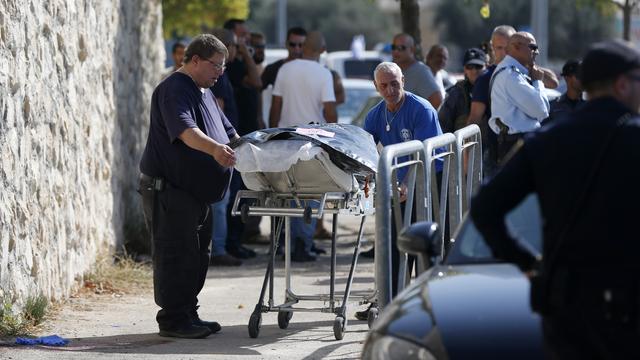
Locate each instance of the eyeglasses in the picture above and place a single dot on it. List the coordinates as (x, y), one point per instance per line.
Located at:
(219, 67)
(295, 44)
(533, 47)
(473, 67)
(399, 47)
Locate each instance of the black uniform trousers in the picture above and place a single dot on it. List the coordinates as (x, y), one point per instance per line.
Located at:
(180, 243)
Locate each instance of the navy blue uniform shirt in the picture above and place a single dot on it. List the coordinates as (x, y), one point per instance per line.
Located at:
(554, 163)
(177, 104)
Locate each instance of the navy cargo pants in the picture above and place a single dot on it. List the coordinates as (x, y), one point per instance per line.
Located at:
(180, 243)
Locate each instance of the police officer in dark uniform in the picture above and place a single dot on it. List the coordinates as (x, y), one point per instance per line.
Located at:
(561, 107)
(185, 167)
(586, 175)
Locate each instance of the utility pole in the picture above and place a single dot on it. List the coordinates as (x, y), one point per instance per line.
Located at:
(540, 28)
(281, 22)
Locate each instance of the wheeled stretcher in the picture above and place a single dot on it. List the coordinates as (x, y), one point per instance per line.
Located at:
(306, 172)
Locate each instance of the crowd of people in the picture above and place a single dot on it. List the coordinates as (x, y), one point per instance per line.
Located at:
(213, 95)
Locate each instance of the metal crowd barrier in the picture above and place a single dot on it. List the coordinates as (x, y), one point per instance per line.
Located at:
(456, 184)
(465, 183)
(437, 206)
(386, 189)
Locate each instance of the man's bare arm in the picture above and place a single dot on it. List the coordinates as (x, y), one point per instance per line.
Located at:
(276, 111)
(435, 99)
(330, 113)
(476, 113)
(550, 80)
(196, 139)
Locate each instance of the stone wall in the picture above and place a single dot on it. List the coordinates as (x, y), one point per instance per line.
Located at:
(76, 77)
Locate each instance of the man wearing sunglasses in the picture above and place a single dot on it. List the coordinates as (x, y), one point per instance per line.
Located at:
(454, 111)
(417, 76)
(518, 101)
(295, 39)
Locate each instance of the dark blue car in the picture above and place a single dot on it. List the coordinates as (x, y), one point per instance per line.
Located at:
(469, 306)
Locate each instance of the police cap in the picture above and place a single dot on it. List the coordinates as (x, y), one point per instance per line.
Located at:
(571, 67)
(607, 60)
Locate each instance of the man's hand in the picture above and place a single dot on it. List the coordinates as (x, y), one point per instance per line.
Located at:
(402, 189)
(535, 73)
(224, 155)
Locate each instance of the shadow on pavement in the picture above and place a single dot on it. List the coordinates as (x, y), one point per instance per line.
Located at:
(232, 340)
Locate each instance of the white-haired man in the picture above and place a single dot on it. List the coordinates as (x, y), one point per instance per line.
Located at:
(401, 116)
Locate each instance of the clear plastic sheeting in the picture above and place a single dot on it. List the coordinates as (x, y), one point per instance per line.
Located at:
(274, 156)
(350, 148)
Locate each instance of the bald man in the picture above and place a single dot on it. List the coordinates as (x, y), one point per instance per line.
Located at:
(518, 100)
(418, 77)
(303, 93)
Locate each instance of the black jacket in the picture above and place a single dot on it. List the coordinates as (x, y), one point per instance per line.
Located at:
(554, 163)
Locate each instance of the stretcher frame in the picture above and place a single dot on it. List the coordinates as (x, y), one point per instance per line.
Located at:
(281, 207)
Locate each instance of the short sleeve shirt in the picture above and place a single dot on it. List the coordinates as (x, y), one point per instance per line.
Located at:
(415, 120)
(222, 89)
(419, 80)
(176, 105)
(481, 90)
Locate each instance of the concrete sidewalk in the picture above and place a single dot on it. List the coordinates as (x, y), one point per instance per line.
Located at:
(109, 327)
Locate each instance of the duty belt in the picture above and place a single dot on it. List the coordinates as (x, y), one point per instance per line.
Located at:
(153, 183)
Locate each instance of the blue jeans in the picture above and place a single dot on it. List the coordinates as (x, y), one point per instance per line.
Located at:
(219, 223)
(300, 229)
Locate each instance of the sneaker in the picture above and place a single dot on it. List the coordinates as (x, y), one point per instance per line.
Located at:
(241, 252)
(213, 326)
(302, 257)
(318, 250)
(224, 260)
(187, 332)
(364, 314)
(370, 254)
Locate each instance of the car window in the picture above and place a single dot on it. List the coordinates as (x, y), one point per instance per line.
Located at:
(360, 69)
(524, 222)
(355, 99)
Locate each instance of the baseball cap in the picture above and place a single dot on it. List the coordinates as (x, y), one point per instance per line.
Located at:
(474, 56)
(607, 60)
(571, 67)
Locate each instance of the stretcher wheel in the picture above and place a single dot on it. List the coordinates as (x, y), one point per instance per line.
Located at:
(254, 324)
(372, 316)
(338, 327)
(283, 318)
(244, 213)
(307, 215)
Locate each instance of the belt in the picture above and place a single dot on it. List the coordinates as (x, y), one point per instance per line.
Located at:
(153, 183)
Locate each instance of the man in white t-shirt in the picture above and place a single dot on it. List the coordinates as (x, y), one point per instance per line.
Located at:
(436, 60)
(303, 91)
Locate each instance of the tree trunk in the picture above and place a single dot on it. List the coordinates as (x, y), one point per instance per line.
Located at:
(410, 15)
(626, 20)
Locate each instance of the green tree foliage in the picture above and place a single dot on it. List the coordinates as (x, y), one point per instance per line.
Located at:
(191, 17)
(338, 20)
(610, 6)
(571, 27)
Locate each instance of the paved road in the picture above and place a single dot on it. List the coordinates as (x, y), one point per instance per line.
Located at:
(109, 327)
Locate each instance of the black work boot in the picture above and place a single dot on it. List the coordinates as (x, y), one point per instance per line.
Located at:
(187, 332)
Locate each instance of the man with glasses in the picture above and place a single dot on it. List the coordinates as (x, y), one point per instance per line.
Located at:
(454, 111)
(518, 101)
(418, 77)
(585, 174)
(186, 166)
